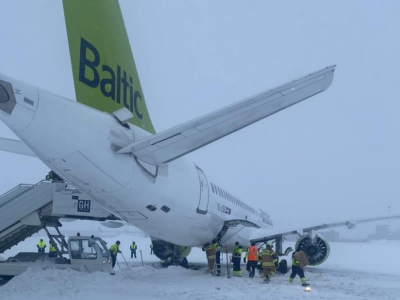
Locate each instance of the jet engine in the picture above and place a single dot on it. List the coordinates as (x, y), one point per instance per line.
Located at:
(316, 248)
(171, 254)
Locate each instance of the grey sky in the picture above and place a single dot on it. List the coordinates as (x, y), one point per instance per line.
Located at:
(333, 157)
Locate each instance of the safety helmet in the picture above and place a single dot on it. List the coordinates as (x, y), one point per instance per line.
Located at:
(269, 244)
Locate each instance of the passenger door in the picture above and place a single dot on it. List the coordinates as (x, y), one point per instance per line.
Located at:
(204, 192)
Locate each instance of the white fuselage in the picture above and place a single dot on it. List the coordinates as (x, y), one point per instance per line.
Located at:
(75, 141)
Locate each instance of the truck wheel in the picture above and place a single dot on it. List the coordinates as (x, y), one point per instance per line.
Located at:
(283, 266)
(6, 278)
(185, 263)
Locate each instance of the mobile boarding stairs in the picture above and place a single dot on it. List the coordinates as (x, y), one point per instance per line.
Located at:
(26, 209)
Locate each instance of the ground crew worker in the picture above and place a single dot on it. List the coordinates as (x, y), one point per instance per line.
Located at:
(41, 245)
(269, 261)
(259, 261)
(299, 261)
(114, 250)
(54, 177)
(252, 257)
(133, 249)
(151, 249)
(236, 258)
(211, 249)
(248, 263)
(52, 250)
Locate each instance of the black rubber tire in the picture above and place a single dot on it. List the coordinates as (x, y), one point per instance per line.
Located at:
(185, 263)
(283, 268)
(6, 278)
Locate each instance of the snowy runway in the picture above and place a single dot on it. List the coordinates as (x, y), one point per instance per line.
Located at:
(354, 271)
(148, 282)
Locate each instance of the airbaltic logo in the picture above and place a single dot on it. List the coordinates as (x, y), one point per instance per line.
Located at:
(111, 86)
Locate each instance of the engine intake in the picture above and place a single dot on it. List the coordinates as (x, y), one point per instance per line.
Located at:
(317, 249)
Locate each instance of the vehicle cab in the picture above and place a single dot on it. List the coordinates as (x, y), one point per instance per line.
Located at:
(91, 253)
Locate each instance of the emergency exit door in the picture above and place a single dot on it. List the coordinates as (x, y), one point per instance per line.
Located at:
(204, 192)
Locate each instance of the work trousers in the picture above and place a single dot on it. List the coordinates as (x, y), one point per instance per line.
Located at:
(133, 252)
(40, 250)
(236, 265)
(151, 251)
(296, 270)
(251, 267)
(268, 271)
(113, 259)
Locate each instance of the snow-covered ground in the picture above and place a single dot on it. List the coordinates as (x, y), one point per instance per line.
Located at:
(353, 271)
(176, 283)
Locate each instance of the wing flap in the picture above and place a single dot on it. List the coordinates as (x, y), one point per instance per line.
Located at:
(180, 140)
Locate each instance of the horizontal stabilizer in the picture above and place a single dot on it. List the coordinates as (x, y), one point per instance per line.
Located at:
(180, 140)
(15, 146)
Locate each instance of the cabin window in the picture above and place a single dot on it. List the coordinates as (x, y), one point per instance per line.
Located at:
(151, 207)
(165, 209)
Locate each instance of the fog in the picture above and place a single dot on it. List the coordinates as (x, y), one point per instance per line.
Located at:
(333, 157)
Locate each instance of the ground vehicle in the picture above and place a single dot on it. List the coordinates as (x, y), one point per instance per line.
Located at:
(85, 254)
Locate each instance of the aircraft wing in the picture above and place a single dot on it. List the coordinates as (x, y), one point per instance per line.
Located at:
(350, 224)
(180, 140)
(15, 146)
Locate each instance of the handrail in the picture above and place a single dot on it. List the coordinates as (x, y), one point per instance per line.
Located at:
(14, 188)
(18, 186)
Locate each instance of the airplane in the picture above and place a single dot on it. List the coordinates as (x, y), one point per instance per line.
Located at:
(105, 145)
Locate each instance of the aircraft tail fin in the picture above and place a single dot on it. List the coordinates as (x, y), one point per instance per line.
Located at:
(103, 66)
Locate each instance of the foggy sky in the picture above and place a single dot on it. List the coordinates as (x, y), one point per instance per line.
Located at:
(333, 157)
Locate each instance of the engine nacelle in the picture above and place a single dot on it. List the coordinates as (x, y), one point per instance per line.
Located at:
(317, 249)
(174, 254)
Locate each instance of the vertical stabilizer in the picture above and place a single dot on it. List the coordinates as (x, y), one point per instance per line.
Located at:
(104, 70)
